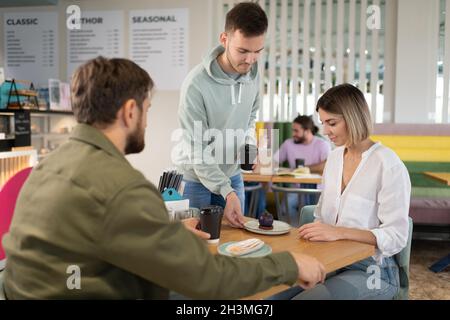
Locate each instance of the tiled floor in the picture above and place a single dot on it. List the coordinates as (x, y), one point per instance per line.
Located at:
(425, 284)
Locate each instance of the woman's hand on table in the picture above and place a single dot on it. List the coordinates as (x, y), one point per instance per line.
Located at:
(310, 270)
(192, 225)
(318, 231)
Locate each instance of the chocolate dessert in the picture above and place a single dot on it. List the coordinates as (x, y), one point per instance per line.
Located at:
(266, 221)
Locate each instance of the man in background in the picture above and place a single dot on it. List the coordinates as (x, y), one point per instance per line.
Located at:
(304, 145)
(307, 148)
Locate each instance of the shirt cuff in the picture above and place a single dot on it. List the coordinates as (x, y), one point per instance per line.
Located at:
(379, 235)
(225, 190)
(250, 140)
(287, 264)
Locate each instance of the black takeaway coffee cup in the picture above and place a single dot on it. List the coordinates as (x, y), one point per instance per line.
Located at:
(299, 162)
(211, 222)
(248, 156)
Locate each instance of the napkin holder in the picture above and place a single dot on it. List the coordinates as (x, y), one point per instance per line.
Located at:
(174, 201)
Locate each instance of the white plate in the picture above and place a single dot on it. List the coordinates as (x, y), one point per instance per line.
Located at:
(279, 227)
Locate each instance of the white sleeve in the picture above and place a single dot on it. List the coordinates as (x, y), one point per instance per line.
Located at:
(393, 211)
(318, 210)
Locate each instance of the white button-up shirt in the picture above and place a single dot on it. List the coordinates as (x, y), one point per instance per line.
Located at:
(376, 198)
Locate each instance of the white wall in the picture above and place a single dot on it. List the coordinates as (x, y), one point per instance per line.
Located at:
(390, 56)
(163, 113)
(417, 51)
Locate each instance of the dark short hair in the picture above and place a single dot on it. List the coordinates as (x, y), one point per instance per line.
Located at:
(101, 86)
(248, 17)
(348, 101)
(307, 123)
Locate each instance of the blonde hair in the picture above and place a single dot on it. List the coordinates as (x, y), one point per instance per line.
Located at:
(349, 102)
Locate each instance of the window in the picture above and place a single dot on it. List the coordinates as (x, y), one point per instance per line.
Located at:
(313, 45)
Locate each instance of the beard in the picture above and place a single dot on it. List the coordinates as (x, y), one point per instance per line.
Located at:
(136, 140)
(299, 140)
(236, 66)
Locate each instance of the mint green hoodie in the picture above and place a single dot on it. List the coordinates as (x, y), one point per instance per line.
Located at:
(218, 102)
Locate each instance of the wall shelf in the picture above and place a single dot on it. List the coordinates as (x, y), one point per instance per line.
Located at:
(49, 135)
(49, 128)
(35, 111)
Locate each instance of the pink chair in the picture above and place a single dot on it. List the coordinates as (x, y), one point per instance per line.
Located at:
(8, 197)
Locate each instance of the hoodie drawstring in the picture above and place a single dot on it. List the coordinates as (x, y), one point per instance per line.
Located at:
(240, 91)
(233, 99)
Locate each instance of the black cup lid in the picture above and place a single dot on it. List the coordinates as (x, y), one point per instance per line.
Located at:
(211, 209)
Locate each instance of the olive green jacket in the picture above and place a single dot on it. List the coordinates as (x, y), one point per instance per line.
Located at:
(88, 225)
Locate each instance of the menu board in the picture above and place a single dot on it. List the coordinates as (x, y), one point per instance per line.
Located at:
(101, 33)
(158, 42)
(22, 128)
(31, 46)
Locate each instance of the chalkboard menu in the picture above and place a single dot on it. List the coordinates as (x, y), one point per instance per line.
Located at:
(22, 128)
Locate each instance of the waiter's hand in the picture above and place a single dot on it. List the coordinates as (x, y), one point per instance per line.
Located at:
(233, 211)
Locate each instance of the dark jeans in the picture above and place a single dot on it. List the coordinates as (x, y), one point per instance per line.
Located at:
(261, 205)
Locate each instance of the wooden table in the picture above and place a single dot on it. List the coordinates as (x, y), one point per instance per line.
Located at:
(254, 177)
(333, 255)
(441, 176)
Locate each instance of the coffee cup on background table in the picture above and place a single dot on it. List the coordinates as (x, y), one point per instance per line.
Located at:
(299, 163)
(248, 155)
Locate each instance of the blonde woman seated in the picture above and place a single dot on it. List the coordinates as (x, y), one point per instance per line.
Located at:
(365, 198)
